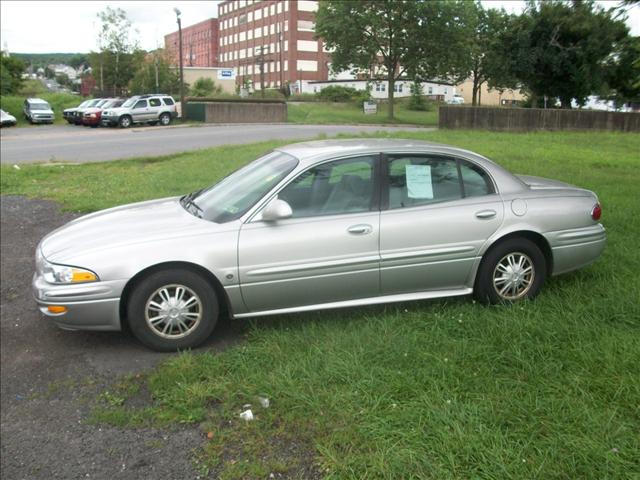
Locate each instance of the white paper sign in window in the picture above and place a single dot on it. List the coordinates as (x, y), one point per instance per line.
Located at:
(419, 181)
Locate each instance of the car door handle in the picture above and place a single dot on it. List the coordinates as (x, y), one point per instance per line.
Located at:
(486, 214)
(361, 229)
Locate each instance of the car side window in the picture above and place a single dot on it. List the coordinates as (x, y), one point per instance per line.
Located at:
(140, 104)
(475, 180)
(421, 180)
(168, 101)
(332, 188)
(155, 102)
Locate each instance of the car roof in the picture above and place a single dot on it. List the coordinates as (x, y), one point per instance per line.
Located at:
(309, 152)
(36, 100)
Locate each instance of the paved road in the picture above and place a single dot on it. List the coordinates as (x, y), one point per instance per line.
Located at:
(68, 143)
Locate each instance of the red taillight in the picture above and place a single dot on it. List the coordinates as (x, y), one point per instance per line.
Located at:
(596, 213)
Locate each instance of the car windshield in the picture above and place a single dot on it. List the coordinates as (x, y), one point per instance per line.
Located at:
(40, 106)
(130, 102)
(84, 104)
(93, 103)
(233, 196)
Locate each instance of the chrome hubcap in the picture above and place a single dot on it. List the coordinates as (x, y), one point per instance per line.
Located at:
(173, 311)
(513, 276)
(164, 120)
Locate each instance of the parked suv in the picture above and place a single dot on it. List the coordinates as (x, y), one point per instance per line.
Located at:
(142, 109)
(37, 110)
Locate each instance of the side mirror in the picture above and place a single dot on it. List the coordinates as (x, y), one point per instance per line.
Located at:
(276, 210)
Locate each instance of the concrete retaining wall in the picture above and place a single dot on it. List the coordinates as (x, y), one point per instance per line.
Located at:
(237, 112)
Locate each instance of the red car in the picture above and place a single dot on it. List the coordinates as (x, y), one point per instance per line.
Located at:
(91, 116)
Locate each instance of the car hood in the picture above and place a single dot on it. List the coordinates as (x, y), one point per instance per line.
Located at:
(117, 110)
(68, 110)
(7, 116)
(42, 112)
(91, 110)
(116, 227)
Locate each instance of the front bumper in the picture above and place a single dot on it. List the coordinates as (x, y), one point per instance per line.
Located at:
(90, 306)
(91, 120)
(42, 119)
(109, 121)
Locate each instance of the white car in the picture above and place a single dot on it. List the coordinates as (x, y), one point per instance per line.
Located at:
(456, 100)
(6, 119)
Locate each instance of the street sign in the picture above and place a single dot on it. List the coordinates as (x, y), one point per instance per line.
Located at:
(226, 74)
(370, 108)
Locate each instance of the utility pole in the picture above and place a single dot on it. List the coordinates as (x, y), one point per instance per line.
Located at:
(156, 66)
(260, 60)
(183, 107)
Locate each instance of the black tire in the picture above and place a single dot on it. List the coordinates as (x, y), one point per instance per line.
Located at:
(520, 282)
(125, 121)
(145, 299)
(165, 119)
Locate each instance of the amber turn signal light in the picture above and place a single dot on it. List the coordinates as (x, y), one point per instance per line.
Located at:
(56, 309)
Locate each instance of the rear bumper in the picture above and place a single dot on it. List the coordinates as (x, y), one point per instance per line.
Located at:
(92, 306)
(575, 248)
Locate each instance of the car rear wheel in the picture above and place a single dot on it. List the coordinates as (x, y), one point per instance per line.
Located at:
(511, 271)
(125, 121)
(173, 310)
(165, 119)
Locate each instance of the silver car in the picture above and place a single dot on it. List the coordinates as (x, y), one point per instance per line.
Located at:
(316, 225)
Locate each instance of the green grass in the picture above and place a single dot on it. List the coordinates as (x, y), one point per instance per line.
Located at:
(322, 113)
(59, 101)
(444, 389)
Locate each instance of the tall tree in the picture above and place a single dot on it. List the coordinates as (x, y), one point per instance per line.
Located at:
(624, 73)
(11, 70)
(385, 39)
(155, 74)
(118, 51)
(485, 55)
(559, 50)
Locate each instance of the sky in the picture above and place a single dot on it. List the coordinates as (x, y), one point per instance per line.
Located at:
(72, 26)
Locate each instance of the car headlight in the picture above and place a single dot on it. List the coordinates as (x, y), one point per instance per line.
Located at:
(63, 274)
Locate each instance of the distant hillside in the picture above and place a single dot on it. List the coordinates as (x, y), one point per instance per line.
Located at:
(44, 59)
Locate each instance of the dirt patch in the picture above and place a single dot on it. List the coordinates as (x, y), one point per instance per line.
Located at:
(49, 377)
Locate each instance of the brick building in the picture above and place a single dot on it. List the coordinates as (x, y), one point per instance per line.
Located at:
(199, 44)
(275, 33)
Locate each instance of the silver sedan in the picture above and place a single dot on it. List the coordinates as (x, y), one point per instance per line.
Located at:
(316, 225)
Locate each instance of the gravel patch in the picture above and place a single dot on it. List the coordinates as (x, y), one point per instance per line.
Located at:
(49, 378)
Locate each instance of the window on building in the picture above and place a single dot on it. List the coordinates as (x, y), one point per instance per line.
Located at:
(430, 90)
(306, 26)
(242, 19)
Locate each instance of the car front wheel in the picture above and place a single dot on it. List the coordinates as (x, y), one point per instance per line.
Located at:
(173, 310)
(125, 121)
(511, 271)
(165, 119)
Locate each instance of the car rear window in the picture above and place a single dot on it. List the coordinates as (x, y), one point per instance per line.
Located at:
(168, 101)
